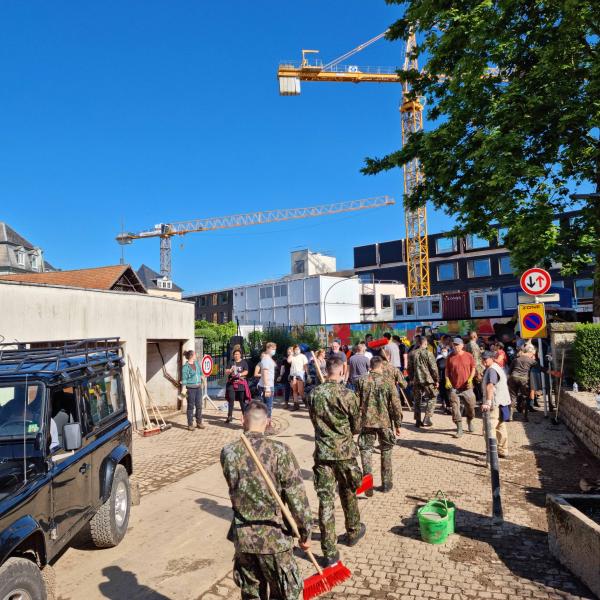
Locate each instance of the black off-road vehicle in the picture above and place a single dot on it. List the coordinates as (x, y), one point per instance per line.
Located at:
(65, 456)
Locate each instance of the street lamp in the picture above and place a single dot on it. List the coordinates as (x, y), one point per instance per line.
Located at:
(327, 293)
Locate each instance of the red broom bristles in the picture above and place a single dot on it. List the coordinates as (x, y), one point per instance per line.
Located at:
(321, 583)
(366, 485)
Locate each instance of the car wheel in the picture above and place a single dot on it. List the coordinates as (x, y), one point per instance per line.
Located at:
(21, 579)
(109, 525)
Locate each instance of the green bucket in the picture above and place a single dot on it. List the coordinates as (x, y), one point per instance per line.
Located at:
(440, 497)
(434, 523)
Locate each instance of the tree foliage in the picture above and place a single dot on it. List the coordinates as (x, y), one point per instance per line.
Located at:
(513, 90)
(215, 333)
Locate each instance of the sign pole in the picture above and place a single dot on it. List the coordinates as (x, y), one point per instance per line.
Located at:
(205, 395)
(492, 444)
(543, 377)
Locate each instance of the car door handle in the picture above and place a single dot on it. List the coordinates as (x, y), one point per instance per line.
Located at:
(84, 468)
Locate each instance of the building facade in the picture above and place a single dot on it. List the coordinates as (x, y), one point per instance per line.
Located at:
(215, 306)
(157, 285)
(462, 263)
(313, 300)
(18, 255)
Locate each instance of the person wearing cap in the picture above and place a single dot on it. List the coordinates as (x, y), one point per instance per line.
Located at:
(496, 400)
(425, 377)
(460, 371)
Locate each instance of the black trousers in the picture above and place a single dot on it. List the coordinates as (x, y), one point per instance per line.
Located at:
(232, 396)
(194, 404)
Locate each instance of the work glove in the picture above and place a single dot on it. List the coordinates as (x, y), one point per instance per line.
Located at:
(470, 382)
(448, 384)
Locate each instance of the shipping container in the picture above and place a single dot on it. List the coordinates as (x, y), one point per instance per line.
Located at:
(455, 306)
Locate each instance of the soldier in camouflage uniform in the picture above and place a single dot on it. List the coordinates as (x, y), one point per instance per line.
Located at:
(392, 373)
(381, 419)
(264, 564)
(335, 414)
(424, 374)
(472, 347)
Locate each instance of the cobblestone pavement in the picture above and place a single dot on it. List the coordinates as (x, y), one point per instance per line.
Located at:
(480, 561)
(175, 453)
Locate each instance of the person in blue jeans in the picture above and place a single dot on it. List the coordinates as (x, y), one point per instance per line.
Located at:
(266, 370)
(191, 377)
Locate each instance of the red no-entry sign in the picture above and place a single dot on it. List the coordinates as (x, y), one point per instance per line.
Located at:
(536, 281)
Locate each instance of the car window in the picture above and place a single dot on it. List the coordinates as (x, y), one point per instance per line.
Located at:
(102, 397)
(63, 410)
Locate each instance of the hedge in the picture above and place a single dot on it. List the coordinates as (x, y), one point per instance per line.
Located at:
(587, 356)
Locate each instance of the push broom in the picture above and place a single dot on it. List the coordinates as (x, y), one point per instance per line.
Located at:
(324, 579)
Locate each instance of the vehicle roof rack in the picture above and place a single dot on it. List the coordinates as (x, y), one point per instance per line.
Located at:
(21, 355)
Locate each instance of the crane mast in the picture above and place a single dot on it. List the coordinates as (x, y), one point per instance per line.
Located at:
(166, 231)
(290, 75)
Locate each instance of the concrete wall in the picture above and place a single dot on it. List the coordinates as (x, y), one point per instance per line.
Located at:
(578, 411)
(41, 312)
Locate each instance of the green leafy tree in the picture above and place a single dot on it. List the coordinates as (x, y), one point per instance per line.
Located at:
(215, 333)
(513, 91)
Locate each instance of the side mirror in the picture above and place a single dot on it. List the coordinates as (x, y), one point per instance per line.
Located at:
(72, 436)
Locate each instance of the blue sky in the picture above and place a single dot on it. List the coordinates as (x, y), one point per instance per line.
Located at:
(161, 110)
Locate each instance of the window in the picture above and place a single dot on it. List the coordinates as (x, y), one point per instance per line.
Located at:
(35, 262)
(21, 258)
(203, 300)
(493, 302)
(266, 292)
(367, 301)
(223, 298)
(410, 308)
(164, 284)
(478, 303)
(474, 242)
(215, 299)
(366, 277)
(584, 289)
(479, 268)
(510, 300)
(214, 317)
(447, 271)
(386, 301)
(502, 233)
(103, 397)
(399, 308)
(436, 307)
(505, 266)
(443, 245)
(298, 267)
(281, 291)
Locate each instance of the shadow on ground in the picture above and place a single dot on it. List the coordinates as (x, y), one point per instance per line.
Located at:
(124, 584)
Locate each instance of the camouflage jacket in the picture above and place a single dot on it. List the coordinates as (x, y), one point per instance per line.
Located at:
(335, 414)
(379, 402)
(258, 527)
(394, 375)
(422, 367)
(474, 349)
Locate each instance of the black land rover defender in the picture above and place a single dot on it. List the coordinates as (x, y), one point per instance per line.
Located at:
(65, 456)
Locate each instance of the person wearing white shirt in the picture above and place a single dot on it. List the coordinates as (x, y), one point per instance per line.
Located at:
(298, 372)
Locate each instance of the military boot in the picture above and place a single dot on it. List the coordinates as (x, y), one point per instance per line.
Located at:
(427, 421)
(471, 426)
(459, 430)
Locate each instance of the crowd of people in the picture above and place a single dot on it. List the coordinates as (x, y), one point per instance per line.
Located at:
(354, 398)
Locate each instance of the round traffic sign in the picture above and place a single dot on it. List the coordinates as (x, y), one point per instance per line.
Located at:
(536, 281)
(533, 321)
(207, 365)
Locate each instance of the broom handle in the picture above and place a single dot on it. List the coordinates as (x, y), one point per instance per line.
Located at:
(562, 366)
(284, 509)
(318, 368)
(404, 396)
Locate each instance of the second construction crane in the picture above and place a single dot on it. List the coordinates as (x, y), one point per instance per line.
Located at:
(166, 231)
(411, 110)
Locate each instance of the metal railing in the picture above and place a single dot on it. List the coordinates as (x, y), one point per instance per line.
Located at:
(377, 70)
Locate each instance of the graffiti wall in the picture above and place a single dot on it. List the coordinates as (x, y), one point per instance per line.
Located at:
(352, 333)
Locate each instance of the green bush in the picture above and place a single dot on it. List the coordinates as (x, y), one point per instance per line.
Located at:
(587, 356)
(215, 333)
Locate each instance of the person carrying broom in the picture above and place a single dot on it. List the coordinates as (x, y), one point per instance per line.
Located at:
(264, 564)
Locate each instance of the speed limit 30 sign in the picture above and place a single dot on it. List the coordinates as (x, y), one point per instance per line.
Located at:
(536, 281)
(207, 365)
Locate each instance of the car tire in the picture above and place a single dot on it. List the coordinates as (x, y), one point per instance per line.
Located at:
(20, 575)
(109, 525)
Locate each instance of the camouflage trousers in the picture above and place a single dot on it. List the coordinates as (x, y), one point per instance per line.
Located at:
(267, 576)
(366, 443)
(348, 477)
(424, 398)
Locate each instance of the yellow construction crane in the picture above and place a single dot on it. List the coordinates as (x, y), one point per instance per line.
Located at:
(411, 111)
(165, 231)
